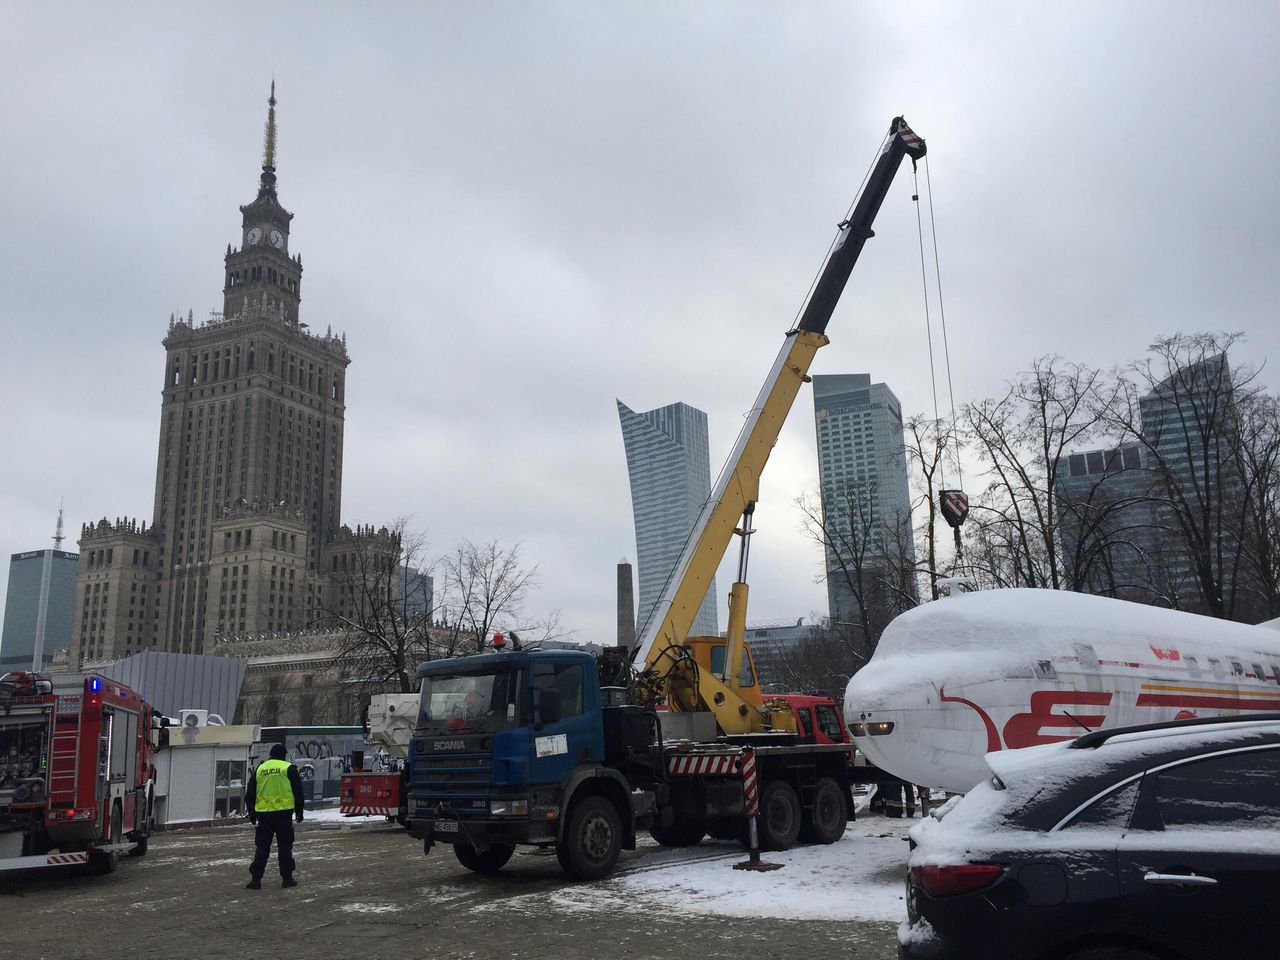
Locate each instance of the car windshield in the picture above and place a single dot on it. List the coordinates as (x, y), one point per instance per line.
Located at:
(472, 702)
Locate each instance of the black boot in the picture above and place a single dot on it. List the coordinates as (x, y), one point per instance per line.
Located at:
(288, 882)
(254, 884)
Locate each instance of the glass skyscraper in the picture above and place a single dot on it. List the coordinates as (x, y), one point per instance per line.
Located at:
(669, 464)
(38, 607)
(862, 472)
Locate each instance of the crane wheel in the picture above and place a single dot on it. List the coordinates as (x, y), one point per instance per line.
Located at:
(681, 833)
(780, 815)
(825, 821)
(592, 839)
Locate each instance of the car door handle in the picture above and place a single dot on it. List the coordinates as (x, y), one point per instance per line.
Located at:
(1178, 879)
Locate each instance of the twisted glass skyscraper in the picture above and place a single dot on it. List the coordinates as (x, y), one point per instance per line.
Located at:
(669, 464)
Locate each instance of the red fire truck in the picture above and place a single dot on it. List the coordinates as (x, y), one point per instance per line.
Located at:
(77, 771)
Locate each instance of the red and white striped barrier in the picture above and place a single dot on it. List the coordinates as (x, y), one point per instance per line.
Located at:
(44, 860)
(369, 811)
(750, 784)
(694, 764)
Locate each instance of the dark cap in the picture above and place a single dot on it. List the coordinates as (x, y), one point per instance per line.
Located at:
(279, 751)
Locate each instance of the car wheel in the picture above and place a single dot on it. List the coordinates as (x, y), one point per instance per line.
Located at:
(488, 861)
(825, 821)
(779, 825)
(592, 840)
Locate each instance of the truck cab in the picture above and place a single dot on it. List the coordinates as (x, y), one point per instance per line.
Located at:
(508, 749)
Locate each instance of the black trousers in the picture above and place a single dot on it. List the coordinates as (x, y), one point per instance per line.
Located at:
(277, 824)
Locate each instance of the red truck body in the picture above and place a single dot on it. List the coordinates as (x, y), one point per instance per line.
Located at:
(365, 794)
(77, 771)
(818, 718)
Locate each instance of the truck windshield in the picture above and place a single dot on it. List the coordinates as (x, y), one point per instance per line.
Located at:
(472, 702)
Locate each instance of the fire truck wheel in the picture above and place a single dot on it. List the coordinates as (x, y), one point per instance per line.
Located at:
(490, 861)
(592, 840)
(779, 824)
(107, 862)
(825, 822)
(141, 849)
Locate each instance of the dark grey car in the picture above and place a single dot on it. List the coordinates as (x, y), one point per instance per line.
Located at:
(1144, 842)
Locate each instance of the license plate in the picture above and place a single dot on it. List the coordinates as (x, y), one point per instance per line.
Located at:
(446, 826)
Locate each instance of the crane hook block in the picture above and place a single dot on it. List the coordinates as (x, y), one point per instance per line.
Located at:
(954, 505)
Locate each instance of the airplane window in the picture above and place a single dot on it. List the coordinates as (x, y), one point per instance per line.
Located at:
(1044, 670)
(1216, 666)
(1194, 666)
(1259, 672)
(1275, 673)
(1237, 668)
(1087, 656)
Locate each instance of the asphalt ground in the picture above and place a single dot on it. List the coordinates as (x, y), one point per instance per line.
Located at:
(370, 893)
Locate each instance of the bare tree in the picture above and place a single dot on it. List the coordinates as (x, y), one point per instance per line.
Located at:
(868, 565)
(926, 442)
(1024, 438)
(1258, 456)
(385, 630)
(484, 586)
(1182, 405)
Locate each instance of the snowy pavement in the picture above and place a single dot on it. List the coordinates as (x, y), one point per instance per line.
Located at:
(861, 877)
(370, 892)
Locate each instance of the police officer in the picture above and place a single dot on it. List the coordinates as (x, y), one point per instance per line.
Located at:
(274, 791)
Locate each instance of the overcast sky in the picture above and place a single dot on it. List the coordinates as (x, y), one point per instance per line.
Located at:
(519, 212)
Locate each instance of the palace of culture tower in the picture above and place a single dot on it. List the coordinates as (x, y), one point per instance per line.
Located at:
(245, 527)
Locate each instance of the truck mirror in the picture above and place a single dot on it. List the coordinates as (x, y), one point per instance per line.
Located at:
(548, 707)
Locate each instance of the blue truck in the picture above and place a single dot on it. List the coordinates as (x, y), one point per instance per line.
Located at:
(558, 748)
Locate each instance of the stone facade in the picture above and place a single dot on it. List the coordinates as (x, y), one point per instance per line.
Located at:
(248, 489)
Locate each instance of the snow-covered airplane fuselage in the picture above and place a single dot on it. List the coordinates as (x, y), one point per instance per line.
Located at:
(1002, 669)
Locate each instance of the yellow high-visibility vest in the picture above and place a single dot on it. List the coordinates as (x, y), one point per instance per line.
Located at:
(273, 791)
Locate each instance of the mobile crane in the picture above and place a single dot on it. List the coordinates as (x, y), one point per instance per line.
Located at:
(555, 748)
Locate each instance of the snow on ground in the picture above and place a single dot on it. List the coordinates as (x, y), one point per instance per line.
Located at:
(861, 877)
(333, 815)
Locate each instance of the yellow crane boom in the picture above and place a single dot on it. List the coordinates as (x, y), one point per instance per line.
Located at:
(729, 509)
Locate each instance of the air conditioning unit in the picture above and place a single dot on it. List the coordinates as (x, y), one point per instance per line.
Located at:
(194, 718)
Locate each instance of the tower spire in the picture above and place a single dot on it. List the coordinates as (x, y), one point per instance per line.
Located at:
(57, 534)
(269, 142)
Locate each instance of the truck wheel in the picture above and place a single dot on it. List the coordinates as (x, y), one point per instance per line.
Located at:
(141, 849)
(101, 863)
(592, 840)
(825, 821)
(779, 816)
(489, 861)
(681, 833)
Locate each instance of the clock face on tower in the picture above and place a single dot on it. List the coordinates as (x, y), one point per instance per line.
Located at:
(277, 239)
(255, 235)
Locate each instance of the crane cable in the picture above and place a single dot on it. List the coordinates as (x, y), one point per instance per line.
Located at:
(952, 434)
(942, 312)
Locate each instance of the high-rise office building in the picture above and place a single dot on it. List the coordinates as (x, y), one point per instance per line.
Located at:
(1124, 512)
(669, 464)
(862, 474)
(38, 606)
(248, 471)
